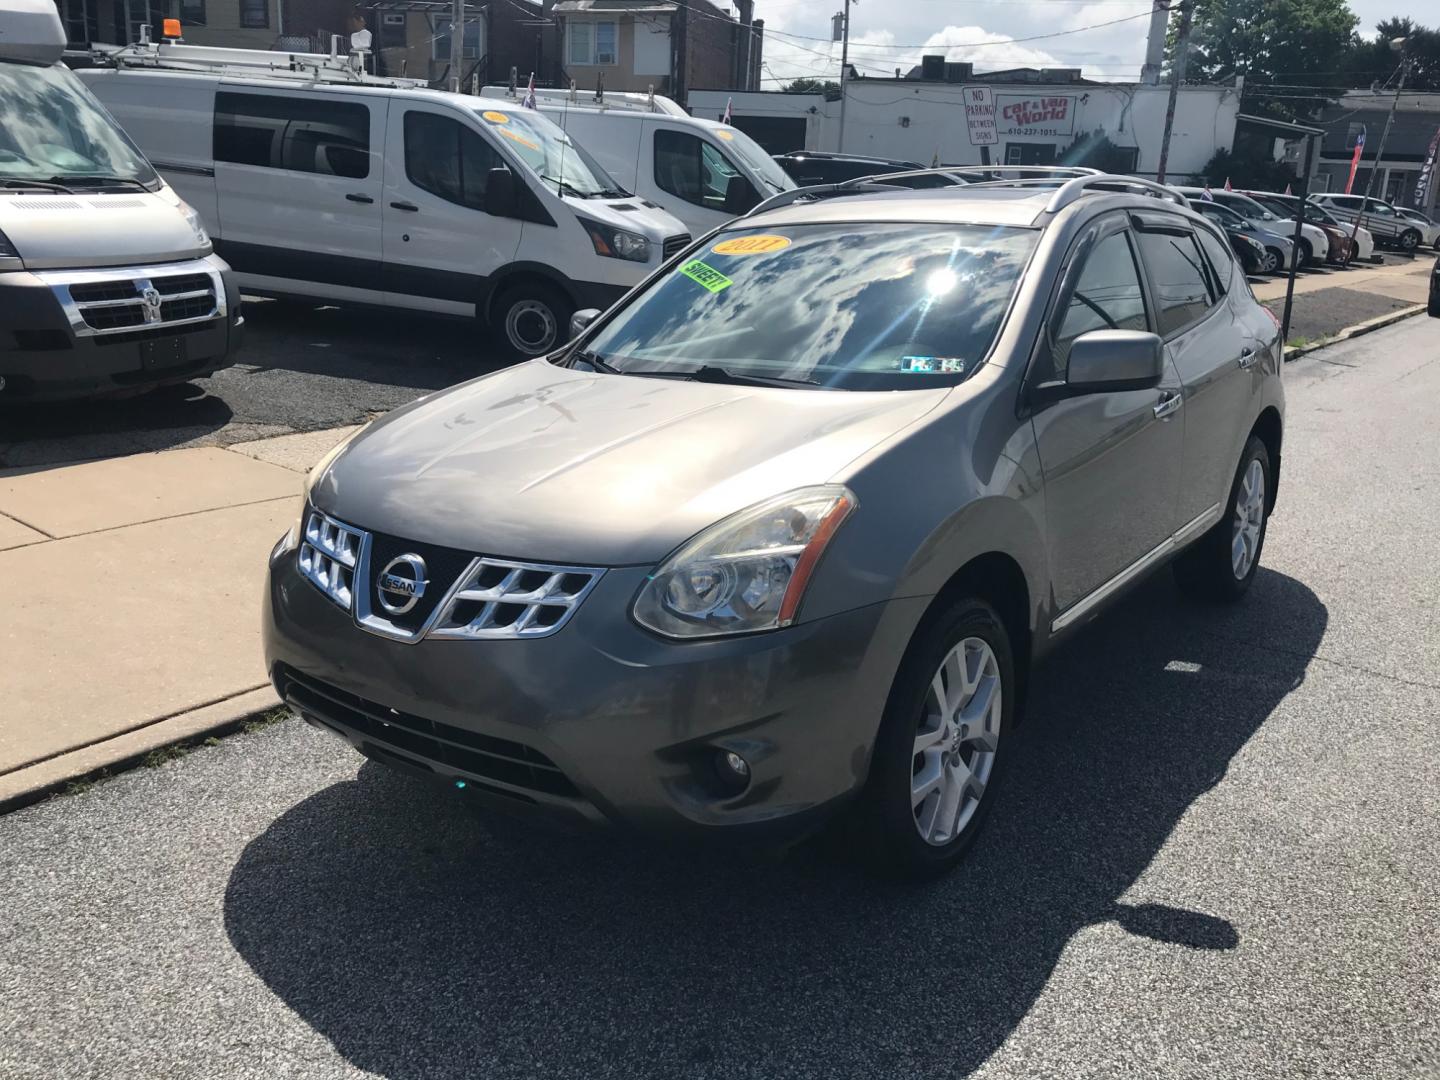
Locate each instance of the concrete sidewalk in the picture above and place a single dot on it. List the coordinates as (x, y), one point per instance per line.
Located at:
(1328, 302)
(134, 600)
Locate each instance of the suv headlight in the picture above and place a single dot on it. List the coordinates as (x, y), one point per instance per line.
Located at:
(193, 220)
(745, 573)
(613, 243)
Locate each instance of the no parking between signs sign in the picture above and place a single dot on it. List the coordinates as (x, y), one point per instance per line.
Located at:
(980, 116)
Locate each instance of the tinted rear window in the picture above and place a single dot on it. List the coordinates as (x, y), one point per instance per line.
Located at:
(310, 134)
(848, 306)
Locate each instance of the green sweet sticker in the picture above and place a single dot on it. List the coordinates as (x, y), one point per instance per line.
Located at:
(706, 276)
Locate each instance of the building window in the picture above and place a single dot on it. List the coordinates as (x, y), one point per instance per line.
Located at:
(469, 46)
(192, 13)
(255, 14)
(592, 44)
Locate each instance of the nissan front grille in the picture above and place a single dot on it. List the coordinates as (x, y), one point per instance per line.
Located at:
(385, 583)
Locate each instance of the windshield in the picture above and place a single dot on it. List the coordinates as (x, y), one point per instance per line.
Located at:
(845, 306)
(52, 129)
(760, 163)
(554, 156)
(1247, 207)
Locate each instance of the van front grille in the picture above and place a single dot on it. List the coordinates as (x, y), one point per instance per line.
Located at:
(103, 302)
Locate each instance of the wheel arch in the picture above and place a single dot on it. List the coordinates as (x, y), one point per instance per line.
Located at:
(519, 273)
(1270, 430)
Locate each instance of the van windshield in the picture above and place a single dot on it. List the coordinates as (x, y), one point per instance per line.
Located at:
(758, 161)
(554, 156)
(845, 306)
(52, 130)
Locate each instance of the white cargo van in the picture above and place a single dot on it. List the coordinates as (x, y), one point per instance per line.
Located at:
(703, 172)
(318, 181)
(107, 280)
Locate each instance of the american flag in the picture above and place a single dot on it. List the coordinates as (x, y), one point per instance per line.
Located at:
(726, 118)
(1227, 184)
(1207, 194)
(529, 100)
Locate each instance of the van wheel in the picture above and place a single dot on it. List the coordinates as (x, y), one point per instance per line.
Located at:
(533, 319)
(1222, 563)
(938, 752)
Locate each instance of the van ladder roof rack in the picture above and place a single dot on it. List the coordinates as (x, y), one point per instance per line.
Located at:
(313, 67)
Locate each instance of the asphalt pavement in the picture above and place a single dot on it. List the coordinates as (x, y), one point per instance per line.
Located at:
(1217, 855)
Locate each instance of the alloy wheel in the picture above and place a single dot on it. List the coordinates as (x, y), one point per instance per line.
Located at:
(1249, 519)
(531, 327)
(955, 745)
(1272, 261)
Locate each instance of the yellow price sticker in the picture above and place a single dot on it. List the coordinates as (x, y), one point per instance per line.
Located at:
(752, 245)
(495, 117)
(726, 135)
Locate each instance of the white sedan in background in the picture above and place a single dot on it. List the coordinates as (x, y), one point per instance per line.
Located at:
(1429, 230)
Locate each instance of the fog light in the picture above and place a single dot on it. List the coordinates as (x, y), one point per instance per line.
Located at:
(732, 770)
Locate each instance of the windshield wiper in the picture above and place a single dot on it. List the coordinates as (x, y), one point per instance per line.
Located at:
(43, 185)
(596, 361)
(705, 373)
(567, 186)
(99, 181)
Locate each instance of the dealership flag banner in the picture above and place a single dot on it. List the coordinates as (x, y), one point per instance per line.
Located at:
(529, 102)
(1426, 176)
(1355, 160)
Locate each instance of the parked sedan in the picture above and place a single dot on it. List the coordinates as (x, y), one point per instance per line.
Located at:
(1279, 251)
(1314, 247)
(1342, 248)
(1429, 230)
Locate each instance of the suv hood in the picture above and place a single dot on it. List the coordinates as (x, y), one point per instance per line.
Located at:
(551, 464)
(57, 230)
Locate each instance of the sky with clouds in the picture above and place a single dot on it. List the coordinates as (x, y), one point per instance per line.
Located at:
(886, 34)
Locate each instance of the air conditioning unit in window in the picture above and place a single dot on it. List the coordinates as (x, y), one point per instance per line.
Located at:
(604, 58)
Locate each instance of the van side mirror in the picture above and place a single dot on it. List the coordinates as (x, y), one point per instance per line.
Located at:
(740, 196)
(581, 319)
(500, 193)
(1109, 361)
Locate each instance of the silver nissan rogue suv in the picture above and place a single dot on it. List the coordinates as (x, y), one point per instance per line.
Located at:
(782, 533)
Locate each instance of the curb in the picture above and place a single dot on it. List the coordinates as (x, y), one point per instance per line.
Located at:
(1294, 352)
(129, 749)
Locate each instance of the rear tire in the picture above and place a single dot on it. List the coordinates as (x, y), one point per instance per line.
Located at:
(1221, 565)
(530, 318)
(943, 736)
(1409, 240)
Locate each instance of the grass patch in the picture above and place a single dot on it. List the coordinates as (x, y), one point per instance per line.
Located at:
(265, 720)
(84, 784)
(155, 758)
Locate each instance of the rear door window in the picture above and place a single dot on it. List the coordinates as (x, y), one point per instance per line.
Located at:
(310, 134)
(1179, 278)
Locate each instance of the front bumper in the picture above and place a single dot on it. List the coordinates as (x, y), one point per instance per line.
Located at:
(602, 723)
(48, 353)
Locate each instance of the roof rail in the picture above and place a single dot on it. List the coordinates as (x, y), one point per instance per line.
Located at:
(1074, 189)
(1041, 172)
(820, 191)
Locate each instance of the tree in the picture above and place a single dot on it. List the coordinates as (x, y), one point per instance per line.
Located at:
(1292, 43)
(1246, 168)
(1373, 60)
(811, 86)
(1094, 150)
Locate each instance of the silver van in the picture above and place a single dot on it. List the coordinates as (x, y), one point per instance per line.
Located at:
(783, 533)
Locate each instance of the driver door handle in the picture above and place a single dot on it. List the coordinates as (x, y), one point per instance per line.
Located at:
(1168, 405)
(355, 196)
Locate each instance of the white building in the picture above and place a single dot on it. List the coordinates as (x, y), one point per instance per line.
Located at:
(1020, 117)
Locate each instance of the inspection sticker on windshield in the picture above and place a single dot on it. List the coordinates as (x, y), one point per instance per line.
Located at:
(495, 117)
(726, 135)
(932, 365)
(706, 276)
(751, 245)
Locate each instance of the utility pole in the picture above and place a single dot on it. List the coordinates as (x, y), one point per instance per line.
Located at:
(1395, 43)
(844, 69)
(1177, 76)
(457, 44)
(682, 48)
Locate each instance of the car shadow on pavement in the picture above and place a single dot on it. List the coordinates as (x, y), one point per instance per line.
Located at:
(425, 940)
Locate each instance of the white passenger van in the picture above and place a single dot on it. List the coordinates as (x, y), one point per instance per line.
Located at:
(320, 182)
(703, 172)
(107, 280)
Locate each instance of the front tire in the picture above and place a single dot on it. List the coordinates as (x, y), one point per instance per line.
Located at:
(1273, 261)
(1307, 253)
(531, 318)
(1221, 565)
(938, 753)
(1409, 240)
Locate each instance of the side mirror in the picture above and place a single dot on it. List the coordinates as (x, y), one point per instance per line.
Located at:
(500, 193)
(740, 196)
(581, 319)
(1109, 361)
